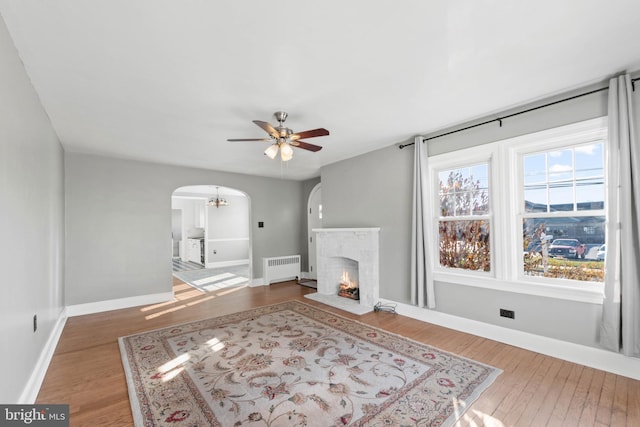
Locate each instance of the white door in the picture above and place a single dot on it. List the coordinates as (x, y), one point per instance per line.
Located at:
(314, 220)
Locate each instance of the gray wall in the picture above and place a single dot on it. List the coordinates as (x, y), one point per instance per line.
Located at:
(375, 190)
(118, 223)
(31, 224)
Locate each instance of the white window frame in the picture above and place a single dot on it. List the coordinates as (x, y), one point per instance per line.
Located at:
(506, 210)
(455, 160)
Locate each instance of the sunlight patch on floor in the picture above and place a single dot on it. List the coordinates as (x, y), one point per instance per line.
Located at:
(213, 279)
(160, 313)
(475, 418)
(193, 293)
(234, 281)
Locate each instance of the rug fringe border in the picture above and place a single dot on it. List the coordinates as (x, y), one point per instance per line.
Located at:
(136, 409)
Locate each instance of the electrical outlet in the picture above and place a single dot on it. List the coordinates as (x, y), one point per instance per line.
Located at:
(35, 322)
(510, 314)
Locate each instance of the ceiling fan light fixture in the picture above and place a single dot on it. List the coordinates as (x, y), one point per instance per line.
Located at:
(284, 139)
(286, 152)
(271, 151)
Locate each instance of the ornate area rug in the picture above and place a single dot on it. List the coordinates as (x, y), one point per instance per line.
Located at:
(293, 364)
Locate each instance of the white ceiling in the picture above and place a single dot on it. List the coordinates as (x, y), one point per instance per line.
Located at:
(169, 81)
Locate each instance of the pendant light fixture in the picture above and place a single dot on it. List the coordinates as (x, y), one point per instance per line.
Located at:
(217, 202)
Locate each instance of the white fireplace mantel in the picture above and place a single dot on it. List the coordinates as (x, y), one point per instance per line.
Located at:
(358, 244)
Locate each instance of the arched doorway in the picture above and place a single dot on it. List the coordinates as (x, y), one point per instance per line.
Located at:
(214, 247)
(314, 220)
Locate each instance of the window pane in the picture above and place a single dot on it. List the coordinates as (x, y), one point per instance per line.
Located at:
(561, 196)
(446, 205)
(535, 199)
(589, 161)
(465, 244)
(564, 248)
(590, 195)
(480, 192)
(560, 165)
(590, 177)
(464, 191)
(535, 169)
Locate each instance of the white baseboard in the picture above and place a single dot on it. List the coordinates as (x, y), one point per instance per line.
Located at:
(226, 263)
(576, 353)
(257, 281)
(117, 304)
(32, 388)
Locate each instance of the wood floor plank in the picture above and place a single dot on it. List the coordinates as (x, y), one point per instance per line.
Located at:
(86, 370)
(543, 385)
(576, 406)
(603, 415)
(619, 408)
(511, 407)
(550, 400)
(588, 417)
(566, 395)
(633, 403)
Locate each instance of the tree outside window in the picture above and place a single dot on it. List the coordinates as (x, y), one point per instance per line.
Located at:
(464, 221)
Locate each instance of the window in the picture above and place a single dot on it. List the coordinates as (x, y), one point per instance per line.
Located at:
(464, 223)
(526, 214)
(563, 220)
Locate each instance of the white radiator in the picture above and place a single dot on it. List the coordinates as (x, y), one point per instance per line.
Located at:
(279, 269)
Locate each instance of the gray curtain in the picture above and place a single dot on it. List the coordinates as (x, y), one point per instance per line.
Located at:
(620, 326)
(422, 290)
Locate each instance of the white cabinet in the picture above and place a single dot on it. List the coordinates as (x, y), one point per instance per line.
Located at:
(194, 250)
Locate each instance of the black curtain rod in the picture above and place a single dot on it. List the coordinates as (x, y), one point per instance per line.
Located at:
(500, 119)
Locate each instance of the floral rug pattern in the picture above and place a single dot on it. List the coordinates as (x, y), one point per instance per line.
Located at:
(292, 364)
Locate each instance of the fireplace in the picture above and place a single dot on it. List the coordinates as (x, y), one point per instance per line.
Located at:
(351, 252)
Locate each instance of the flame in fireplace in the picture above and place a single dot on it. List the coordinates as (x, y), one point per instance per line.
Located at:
(347, 282)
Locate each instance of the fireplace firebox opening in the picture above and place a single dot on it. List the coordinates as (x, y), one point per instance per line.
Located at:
(348, 287)
(347, 276)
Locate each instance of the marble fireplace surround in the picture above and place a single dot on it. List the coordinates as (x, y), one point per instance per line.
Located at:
(356, 244)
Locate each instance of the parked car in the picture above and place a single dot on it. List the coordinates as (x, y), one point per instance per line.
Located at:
(567, 248)
(602, 253)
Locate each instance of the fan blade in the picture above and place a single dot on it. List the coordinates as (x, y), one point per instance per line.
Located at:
(250, 139)
(306, 145)
(309, 134)
(267, 128)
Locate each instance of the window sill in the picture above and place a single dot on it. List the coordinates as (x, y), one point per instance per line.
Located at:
(569, 293)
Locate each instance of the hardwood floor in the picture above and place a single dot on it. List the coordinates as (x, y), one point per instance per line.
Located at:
(534, 390)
